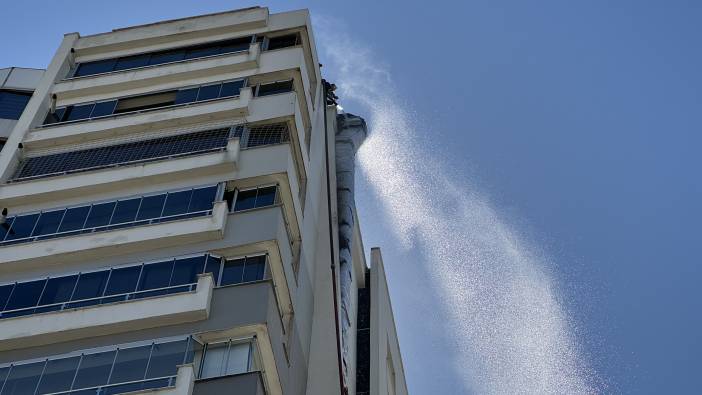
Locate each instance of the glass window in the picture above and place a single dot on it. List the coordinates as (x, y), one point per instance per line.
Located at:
(225, 358)
(151, 207)
(202, 51)
(274, 88)
(209, 92)
(203, 199)
(74, 113)
(104, 108)
(231, 88)
(255, 268)
(233, 271)
(130, 364)
(213, 266)
(25, 295)
(167, 56)
(97, 67)
(100, 215)
(94, 369)
(90, 285)
(48, 222)
(5, 226)
(23, 379)
(122, 281)
(125, 211)
(22, 226)
(12, 104)
(177, 203)
(165, 359)
(3, 373)
(58, 290)
(186, 96)
(58, 375)
(241, 44)
(185, 270)
(213, 360)
(237, 359)
(265, 196)
(155, 275)
(5, 292)
(245, 200)
(130, 62)
(288, 40)
(74, 218)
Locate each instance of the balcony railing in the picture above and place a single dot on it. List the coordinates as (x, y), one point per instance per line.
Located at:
(97, 217)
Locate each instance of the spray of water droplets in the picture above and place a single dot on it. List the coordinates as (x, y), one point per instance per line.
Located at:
(501, 304)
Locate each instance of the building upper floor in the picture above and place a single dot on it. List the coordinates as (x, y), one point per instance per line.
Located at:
(16, 87)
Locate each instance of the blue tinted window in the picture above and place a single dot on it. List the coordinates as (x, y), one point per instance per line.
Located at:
(58, 375)
(213, 266)
(165, 358)
(94, 369)
(254, 268)
(12, 104)
(5, 292)
(3, 373)
(245, 200)
(237, 45)
(167, 57)
(155, 275)
(130, 62)
(90, 285)
(275, 88)
(201, 51)
(177, 203)
(104, 108)
(123, 280)
(125, 211)
(233, 271)
(130, 364)
(53, 117)
(151, 207)
(265, 196)
(58, 290)
(25, 295)
(187, 269)
(48, 222)
(22, 226)
(74, 113)
(209, 92)
(231, 88)
(203, 199)
(74, 218)
(5, 226)
(97, 67)
(23, 379)
(186, 96)
(100, 215)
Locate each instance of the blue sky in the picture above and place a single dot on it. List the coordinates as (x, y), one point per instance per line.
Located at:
(573, 129)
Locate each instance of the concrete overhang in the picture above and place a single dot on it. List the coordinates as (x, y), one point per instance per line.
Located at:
(130, 123)
(108, 319)
(113, 83)
(114, 179)
(88, 246)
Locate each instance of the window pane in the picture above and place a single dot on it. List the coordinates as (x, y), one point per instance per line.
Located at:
(275, 88)
(213, 363)
(201, 51)
(255, 268)
(130, 364)
(186, 270)
(100, 215)
(167, 57)
(151, 207)
(58, 375)
(123, 280)
(237, 45)
(209, 92)
(231, 88)
(48, 222)
(177, 203)
(203, 199)
(74, 218)
(58, 290)
(125, 211)
(233, 272)
(186, 96)
(104, 108)
(25, 295)
(245, 200)
(213, 266)
(165, 358)
(12, 104)
(22, 226)
(155, 275)
(100, 66)
(94, 369)
(90, 285)
(23, 379)
(74, 113)
(265, 197)
(282, 41)
(5, 292)
(237, 359)
(3, 374)
(5, 226)
(130, 62)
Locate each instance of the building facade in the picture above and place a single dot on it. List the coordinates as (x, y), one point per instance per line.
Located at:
(178, 218)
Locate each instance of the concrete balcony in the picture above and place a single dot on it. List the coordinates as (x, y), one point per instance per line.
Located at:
(156, 77)
(88, 246)
(114, 179)
(108, 319)
(184, 385)
(245, 384)
(139, 121)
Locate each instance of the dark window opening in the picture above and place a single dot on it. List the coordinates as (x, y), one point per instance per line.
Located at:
(255, 198)
(12, 103)
(145, 102)
(288, 40)
(273, 88)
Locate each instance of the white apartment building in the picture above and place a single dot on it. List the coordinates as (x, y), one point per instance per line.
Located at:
(178, 218)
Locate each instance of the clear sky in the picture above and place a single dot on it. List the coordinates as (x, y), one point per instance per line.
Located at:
(577, 126)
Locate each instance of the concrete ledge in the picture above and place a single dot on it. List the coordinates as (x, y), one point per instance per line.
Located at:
(119, 125)
(107, 319)
(53, 188)
(185, 381)
(114, 242)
